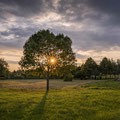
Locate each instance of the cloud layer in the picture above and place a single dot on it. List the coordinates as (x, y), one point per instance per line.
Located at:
(93, 25)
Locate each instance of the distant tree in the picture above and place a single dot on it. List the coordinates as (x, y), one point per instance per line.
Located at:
(118, 66)
(113, 70)
(4, 72)
(90, 68)
(105, 66)
(83, 72)
(48, 52)
(77, 72)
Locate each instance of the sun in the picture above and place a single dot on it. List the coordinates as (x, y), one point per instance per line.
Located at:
(52, 60)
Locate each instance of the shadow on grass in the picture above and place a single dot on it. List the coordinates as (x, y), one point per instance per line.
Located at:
(38, 111)
(18, 111)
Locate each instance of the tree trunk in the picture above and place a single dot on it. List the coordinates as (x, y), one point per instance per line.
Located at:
(48, 72)
(47, 84)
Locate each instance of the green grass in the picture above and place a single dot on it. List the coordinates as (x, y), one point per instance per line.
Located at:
(104, 85)
(67, 103)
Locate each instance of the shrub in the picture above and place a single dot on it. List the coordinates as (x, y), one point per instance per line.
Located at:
(68, 77)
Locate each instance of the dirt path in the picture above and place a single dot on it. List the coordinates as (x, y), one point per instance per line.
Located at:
(41, 84)
(87, 82)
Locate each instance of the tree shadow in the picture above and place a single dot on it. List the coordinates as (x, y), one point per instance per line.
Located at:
(18, 111)
(39, 110)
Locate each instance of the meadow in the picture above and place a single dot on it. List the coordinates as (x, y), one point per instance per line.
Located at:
(77, 100)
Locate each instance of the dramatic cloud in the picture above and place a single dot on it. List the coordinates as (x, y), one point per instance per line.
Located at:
(93, 25)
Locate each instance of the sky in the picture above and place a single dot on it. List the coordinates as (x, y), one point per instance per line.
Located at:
(93, 26)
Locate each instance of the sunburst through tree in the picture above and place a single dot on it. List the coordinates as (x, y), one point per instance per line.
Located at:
(49, 52)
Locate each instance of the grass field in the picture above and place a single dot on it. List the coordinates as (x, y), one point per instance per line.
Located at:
(77, 100)
(41, 84)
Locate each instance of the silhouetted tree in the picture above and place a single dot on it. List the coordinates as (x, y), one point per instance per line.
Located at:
(113, 70)
(105, 66)
(77, 72)
(90, 68)
(118, 67)
(42, 47)
(4, 72)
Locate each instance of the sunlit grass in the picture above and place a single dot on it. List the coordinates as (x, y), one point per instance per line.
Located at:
(71, 103)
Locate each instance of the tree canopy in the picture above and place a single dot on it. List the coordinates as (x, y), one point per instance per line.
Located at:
(3, 68)
(105, 66)
(44, 46)
(90, 68)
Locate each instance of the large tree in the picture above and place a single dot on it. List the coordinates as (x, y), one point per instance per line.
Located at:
(49, 53)
(3, 68)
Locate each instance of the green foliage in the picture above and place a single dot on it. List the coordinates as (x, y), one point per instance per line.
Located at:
(90, 68)
(77, 72)
(118, 67)
(68, 77)
(105, 85)
(105, 66)
(106, 69)
(64, 104)
(4, 72)
(87, 70)
(44, 45)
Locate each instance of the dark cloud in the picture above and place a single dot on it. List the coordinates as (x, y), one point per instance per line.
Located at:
(111, 7)
(99, 20)
(11, 44)
(23, 8)
(88, 40)
(72, 10)
(79, 10)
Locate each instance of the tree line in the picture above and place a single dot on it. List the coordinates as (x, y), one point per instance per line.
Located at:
(105, 69)
(48, 55)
